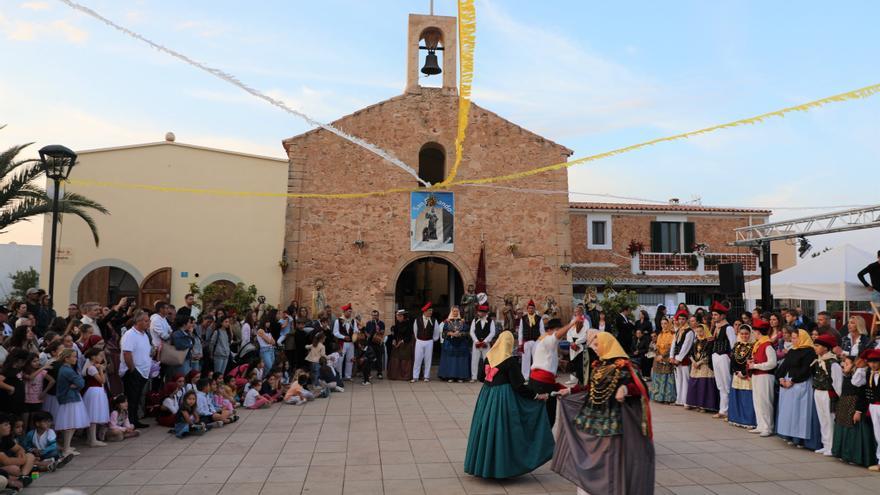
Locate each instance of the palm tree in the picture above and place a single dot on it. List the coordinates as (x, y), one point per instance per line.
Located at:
(21, 199)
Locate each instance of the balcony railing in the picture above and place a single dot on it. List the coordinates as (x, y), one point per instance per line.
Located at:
(690, 263)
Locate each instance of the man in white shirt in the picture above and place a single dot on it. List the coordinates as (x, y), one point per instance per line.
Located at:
(135, 364)
(482, 335)
(160, 330)
(531, 328)
(426, 331)
(344, 329)
(91, 312)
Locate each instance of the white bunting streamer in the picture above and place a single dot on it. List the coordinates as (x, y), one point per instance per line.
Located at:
(236, 82)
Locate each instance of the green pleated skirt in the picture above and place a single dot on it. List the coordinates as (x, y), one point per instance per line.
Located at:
(856, 443)
(510, 435)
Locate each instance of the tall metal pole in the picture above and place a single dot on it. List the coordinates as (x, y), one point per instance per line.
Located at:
(766, 261)
(54, 247)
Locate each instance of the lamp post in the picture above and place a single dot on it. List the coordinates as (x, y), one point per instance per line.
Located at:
(57, 161)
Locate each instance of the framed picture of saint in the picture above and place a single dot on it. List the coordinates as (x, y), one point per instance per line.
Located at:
(432, 221)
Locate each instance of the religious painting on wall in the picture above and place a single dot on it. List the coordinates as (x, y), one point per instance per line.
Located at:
(432, 216)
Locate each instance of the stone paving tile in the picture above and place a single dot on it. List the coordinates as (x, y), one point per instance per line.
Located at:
(398, 438)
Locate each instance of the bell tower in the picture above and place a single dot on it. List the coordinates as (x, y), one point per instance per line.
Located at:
(438, 36)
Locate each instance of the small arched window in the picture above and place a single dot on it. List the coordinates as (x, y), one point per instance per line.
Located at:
(432, 163)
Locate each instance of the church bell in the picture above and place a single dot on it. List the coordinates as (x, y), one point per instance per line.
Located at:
(431, 67)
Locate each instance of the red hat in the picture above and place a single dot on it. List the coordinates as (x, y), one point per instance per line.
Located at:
(719, 307)
(870, 355)
(531, 303)
(759, 324)
(681, 312)
(347, 307)
(426, 307)
(826, 339)
(484, 308)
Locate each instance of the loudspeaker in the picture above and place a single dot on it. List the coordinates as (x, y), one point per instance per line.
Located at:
(731, 279)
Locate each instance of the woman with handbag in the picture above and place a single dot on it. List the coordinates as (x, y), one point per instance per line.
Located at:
(176, 353)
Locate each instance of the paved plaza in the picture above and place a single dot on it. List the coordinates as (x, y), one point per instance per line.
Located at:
(409, 439)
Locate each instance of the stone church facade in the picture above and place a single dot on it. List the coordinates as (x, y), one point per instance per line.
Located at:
(360, 248)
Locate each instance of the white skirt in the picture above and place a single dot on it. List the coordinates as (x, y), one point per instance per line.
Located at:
(50, 405)
(97, 405)
(71, 416)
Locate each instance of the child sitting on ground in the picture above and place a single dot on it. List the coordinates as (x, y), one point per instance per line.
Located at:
(188, 421)
(120, 427)
(272, 386)
(18, 434)
(205, 405)
(253, 399)
(219, 399)
(229, 391)
(42, 441)
(296, 392)
(328, 375)
(13, 459)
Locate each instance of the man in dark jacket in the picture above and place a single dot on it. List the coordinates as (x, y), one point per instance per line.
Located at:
(624, 328)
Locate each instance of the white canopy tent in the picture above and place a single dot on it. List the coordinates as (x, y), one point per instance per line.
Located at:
(828, 277)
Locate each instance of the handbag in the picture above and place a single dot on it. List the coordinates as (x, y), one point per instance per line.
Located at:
(171, 356)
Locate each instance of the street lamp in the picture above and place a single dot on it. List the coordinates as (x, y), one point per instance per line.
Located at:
(57, 161)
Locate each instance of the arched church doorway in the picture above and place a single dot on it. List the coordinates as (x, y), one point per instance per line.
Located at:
(106, 285)
(428, 279)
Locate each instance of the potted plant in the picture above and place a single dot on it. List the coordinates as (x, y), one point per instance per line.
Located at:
(700, 248)
(635, 247)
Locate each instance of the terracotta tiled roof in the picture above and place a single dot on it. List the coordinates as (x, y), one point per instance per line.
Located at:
(666, 207)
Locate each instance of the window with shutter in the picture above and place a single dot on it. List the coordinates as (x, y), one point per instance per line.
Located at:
(690, 237)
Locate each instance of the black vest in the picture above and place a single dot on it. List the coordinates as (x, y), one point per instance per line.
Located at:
(872, 392)
(531, 332)
(480, 331)
(345, 331)
(424, 333)
(679, 343)
(721, 344)
(822, 378)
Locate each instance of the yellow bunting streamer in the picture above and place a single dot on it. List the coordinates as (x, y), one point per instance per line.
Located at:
(860, 93)
(467, 27)
(856, 94)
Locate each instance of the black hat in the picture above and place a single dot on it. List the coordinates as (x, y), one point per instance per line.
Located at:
(553, 324)
(3, 310)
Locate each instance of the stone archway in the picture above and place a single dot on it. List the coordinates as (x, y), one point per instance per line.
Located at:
(454, 263)
(123, 266)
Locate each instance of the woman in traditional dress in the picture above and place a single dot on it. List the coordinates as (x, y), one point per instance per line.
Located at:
(741, 411)
(663, 372)
(702, 391)
(797, 410)
(853, 433)
(455, 356)
(605, 440)
(509, 434)
(400, 357)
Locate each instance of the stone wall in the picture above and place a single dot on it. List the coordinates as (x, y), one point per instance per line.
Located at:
(320, 233)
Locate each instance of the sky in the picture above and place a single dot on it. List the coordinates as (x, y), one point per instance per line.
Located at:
(592, 76)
